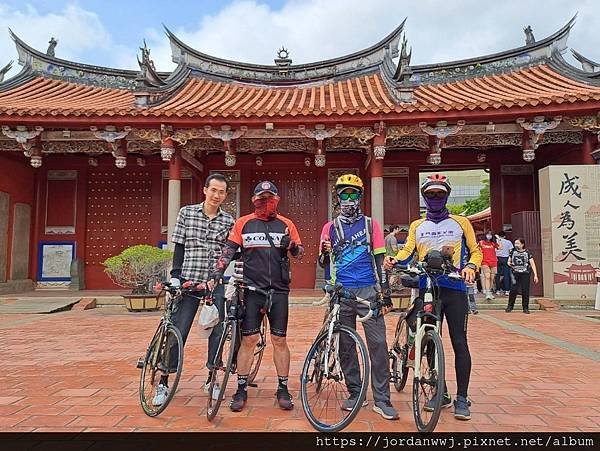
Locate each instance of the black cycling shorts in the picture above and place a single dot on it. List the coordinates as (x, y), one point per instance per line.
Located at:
(278, 316)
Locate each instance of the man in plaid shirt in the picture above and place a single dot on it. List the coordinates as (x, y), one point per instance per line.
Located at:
(200, 233)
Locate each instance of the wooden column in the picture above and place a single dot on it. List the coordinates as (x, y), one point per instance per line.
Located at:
(376, 176)
(174, 194)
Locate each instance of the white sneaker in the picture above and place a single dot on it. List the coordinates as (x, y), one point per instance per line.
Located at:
(162, 391)
(216, 390)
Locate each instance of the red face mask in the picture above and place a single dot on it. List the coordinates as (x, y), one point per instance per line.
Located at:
(266, 208)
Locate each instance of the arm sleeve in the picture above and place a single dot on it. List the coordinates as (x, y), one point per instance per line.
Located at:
(235, 234)
(405, 254)
(178, 255)
(229, 251)
(379, 263)
(378, 240)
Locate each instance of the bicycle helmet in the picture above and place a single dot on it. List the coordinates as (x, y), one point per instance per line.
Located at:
(436, 181)
(349, 180)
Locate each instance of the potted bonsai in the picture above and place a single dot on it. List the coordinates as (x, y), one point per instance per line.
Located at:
(138, 268)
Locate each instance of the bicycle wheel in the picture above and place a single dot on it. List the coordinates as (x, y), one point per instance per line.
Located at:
(399, 355)
(220, 373)
(429, 388)
(324, 384)
(163, 347)
(258, 352)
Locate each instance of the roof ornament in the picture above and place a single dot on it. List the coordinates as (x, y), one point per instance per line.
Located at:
(283, 60)
(53, 42)
(404, 71)
(148, 72)
(529, 38)
(5, 69)
(587, 65)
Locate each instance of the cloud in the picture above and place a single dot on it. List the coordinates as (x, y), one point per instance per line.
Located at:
(81, 35)
(312, 30)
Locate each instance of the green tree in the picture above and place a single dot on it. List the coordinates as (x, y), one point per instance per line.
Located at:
(481, 202)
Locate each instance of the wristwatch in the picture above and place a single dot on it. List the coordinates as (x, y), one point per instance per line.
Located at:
(471, 266)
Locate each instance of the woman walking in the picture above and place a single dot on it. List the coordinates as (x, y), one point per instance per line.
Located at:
(489, 264)
(522, 264)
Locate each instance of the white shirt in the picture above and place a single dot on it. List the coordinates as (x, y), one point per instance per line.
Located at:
(505, 247)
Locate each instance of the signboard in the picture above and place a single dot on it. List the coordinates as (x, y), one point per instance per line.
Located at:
(570, 220)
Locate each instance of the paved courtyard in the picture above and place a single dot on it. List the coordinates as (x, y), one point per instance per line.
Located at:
(75, 371)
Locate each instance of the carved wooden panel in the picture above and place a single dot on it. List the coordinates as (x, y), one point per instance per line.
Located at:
(298, 190)
(119, 214)
(4, 212)
(232, 203)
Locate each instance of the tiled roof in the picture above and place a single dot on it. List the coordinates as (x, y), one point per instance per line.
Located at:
(533, 86)
(49, 97)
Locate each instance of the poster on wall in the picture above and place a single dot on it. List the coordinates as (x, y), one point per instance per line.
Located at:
(55, 262)
(570, 216)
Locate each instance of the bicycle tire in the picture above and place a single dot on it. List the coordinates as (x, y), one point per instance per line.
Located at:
(212, 405)
(312, 357)
(432, 350)
(399, 355)
(259, 350)
(154, 357)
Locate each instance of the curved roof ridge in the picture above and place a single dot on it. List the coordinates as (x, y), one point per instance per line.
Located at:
(543, 44)
(369, 57)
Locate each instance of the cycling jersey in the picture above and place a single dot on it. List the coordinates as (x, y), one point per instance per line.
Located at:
(262, 261)
(456, 232)
(352, 260)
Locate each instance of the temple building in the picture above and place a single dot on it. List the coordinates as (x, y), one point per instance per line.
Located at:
(95, 159)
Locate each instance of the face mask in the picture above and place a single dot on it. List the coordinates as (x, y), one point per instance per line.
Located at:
(488, 237)
(266, 208)
(436, 208)
(350, 208)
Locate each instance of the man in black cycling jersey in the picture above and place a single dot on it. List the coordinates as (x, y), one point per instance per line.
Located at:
(439, 230)
(264, 237)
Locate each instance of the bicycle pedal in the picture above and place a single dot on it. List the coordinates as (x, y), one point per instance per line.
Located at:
(140, 363)
(254, 385)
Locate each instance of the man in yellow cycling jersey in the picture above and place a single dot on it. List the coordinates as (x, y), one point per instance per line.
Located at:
(440, 230)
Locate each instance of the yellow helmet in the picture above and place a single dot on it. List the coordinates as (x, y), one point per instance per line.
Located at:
(349, 180)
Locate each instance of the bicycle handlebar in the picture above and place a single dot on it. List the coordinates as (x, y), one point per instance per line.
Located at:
(341, 292)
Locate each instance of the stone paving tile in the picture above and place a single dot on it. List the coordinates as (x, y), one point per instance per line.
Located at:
(66, 372)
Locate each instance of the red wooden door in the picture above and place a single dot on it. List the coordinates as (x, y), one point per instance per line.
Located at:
(298, 190)
(119, 215)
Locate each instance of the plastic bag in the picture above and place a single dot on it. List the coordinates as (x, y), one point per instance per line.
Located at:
(209, 318)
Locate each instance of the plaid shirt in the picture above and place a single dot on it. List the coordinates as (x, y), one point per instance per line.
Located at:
(203, 239)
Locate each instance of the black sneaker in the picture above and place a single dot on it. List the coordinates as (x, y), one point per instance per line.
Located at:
(238, 401)
(526, 311)
(508, 309)
(284, 399)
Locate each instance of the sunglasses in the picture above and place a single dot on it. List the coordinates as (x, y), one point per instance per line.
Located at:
(351, 196)
(432, 194)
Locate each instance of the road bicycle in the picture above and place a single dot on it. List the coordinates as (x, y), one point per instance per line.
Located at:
(225, 362)
(166, 348)
(337, 359)
(417, 342)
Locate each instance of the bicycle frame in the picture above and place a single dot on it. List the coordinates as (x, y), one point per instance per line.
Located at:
(422, 327)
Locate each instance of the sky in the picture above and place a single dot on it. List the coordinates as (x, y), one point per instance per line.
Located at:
(109, 33)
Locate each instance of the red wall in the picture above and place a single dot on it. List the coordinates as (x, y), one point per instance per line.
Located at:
(17, 178)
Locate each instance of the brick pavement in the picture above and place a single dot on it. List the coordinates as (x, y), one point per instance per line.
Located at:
(75, 371)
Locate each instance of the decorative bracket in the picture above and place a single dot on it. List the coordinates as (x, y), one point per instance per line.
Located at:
(228, 136)
(439, 133)
(538, 127)
(24, 137)
(320, 133)
(110, 135)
